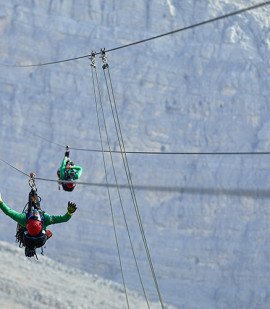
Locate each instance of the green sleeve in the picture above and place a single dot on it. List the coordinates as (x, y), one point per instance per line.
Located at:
(56, 219)
(78, 170)
(13, 214)
(62, 168)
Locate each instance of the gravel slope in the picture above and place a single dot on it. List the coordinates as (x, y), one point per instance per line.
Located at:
(44, 283)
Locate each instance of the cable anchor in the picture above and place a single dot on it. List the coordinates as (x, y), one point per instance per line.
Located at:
(93, 59)
(104, 59)
(31, 181)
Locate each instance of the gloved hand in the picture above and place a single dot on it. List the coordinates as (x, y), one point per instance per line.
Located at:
(71, 208)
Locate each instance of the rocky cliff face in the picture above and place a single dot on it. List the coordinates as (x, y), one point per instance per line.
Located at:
(202, 90)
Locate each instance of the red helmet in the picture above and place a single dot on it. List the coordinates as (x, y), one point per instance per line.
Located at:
(34, 227)
(70, 185)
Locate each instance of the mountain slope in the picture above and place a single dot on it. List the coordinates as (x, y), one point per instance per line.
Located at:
(28, 283)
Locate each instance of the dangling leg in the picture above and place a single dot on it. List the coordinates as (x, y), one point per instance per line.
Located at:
(67, 152)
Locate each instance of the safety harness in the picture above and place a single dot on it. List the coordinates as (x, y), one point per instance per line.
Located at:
(33, 212)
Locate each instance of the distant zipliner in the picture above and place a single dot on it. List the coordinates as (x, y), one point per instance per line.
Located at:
(32, 223)
(68, 172)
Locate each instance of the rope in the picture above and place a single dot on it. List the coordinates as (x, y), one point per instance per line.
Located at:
(106, 175)
(254, 7)
(122, 208)
(207, 153)
(128, 173)
(15, 168)
(257, 193)
(194, 25)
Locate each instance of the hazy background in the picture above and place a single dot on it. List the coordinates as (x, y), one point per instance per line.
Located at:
(202, 90)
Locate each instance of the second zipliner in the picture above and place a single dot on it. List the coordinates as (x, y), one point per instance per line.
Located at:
(68, 172)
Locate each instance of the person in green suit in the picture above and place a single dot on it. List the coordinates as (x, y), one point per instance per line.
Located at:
(33, 223)
(68, 171)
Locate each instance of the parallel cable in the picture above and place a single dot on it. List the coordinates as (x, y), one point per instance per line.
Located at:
(128, 173)
(257, 193)
(44, 138)
(123, 211)
(106, 175)
(15, 168)
(206, 153)
(120, 199)
(194, 25)
(256, 6)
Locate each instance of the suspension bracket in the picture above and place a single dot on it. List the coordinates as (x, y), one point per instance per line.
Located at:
(104, 58)
(93, 59)
(31, 181)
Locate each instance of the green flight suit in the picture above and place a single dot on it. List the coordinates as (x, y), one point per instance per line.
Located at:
(76, 168)
(20, 217)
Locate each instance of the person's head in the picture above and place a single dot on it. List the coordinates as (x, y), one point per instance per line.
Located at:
(34, 223)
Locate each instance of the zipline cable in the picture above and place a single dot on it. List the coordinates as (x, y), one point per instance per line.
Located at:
(257, 193)
(250, 8)
(207, 153)
(93, 68)
(15, 168)
(126, 167)
(194, 25)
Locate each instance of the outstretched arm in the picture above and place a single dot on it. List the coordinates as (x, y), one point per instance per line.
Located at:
(13, 214)
(78, 170)
(60, 219)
